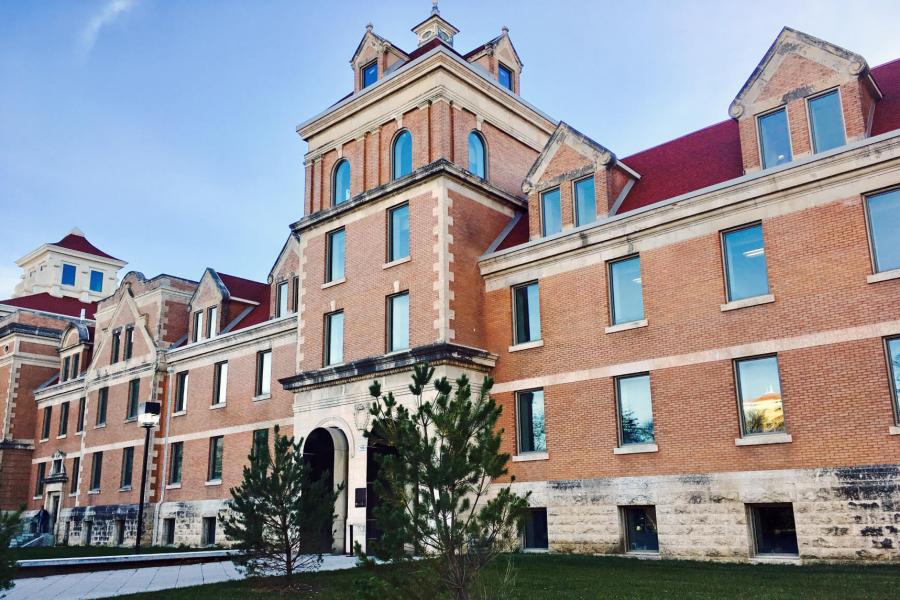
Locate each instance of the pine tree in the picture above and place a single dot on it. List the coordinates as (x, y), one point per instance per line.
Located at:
(435, 490)
(9, 525)
(278, 514)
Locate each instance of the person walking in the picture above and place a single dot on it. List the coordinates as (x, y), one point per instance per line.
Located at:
(43, 521)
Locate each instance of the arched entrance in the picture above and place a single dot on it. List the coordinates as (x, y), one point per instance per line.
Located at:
(376, 448)
(326, 450)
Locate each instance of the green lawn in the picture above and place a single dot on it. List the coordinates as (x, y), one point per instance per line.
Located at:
(559, 577)
(79, 551)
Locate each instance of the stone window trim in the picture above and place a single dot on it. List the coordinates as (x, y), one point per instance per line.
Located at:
(756, 129)
(261, 397)
(636, 449)
(762, 439)
(100, 426)
(61, 437)
(530, 456)
(747, 302)
(329, 284)
(125, 488)
(401, 261)
(173, 486)
(217, 406)
(809, 123)
(626, 326)
(210, 482)
(883, 276)
(525, 346)
(93, 492)
(131, 420)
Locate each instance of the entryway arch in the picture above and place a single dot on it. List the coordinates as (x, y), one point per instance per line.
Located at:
(326, 451)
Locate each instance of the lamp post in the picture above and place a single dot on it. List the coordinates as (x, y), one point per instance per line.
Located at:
(148, 418)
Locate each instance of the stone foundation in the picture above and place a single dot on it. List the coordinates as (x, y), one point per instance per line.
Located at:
(71, 526)
(189, 522)
(840, 514)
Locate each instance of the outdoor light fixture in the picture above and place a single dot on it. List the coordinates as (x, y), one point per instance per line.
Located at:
(148, 418)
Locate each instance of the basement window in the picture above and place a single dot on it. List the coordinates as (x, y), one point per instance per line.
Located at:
(536, 529)
(169, 532)
(773, 530)
(641, 535)
(209, 531)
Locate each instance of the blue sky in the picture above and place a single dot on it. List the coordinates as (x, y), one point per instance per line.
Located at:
(165, 130)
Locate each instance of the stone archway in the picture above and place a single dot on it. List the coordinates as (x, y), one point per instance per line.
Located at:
(326, 451)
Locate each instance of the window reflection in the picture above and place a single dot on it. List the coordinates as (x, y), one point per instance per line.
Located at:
(826, 122)
(745, 263)
(774, 139)
(532, 437)
(527, 309)
(402, 154)
(635, 410)
(759, 393)
(626, 290)
(551, 214)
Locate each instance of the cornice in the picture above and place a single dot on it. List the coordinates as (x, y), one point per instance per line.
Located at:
(283, 327)
(30, 331)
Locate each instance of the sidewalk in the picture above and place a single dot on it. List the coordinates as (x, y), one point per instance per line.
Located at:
(105, 584)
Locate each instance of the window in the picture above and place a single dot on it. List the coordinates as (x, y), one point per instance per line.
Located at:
(264, 373)
(75, 369)
(369, 74)
(296, 295)
(209, 531)
(640, 529)
(334, 269)
(68, 274)
(826, 121)
(63, 418)
(746, 275)
(73, 482)
(536, 529)
(102, 397)
(119, 529)
(127, 467)
(281, 299)
(334, 338)
(526, 313)
(169, 532)
(884, 214)
(260, 443)
(477, 155)
(585, 202)
(96, 281)
(214, 472)
(401, 154)
(212, 321)
(772, 529)
(893, 350)
(129, 342)
(134, 393)
(116, 341)
(175, 465)
(635, 409)
(774, 139)
(181, 388)
(64, 374)
(626, 290)
(96, 471)
(197, 326)
(82, 407)
(505, 76)
(45, 428)
(340, 191)
(398, 236)
(551, 217)
(398, 322)
(759, 395)
(220, 383)
(530, 411)
(41, 474)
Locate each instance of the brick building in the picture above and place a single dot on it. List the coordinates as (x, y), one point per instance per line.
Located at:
(723, 384)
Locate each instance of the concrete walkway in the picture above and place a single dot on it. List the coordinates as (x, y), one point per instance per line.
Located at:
(106, 584)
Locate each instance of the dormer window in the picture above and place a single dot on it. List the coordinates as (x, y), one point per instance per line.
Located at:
(212, 321)
(505, 76)
(96, 281)
(551, 214)
(774, 139)
(281, 299)
(68, 274)
(826, 122)
(369, 74)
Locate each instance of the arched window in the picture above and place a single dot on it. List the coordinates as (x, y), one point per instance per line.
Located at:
(402, 154)
(340, 185)
(477, 155)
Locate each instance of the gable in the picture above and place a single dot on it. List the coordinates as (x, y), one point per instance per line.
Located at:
(287, 264)
(209, 292)
(567, 150)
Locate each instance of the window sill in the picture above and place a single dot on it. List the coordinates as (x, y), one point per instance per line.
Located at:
(217, 406)
(530, 456)
(775, 559)
(636, 449)
(100, 426)
(526, 346)
(536, 550)
(131, 420)
(643, 554)
(42, 440)
(747, 302)
(72, 494)
(333, 283)
(261, 397)
(180, 413)
(394, 263)
(883, 276)
(93, 492)
(213, 482)
(895, 430)
(626, 326)
(127, 488)
(764, 438)
(173, 486)
(61, 437)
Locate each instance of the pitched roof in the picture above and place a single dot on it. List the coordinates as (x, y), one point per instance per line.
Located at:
(244, 289)
(79, 243)
(44, 302)
(887, 110)
(257, 315)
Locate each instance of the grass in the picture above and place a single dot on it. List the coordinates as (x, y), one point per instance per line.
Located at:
(554, 577)
(80, 551)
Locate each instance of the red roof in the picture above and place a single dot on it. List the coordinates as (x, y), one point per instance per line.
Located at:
(691, 162)
(887, 110)
(61, 306)
(245, 289)
(258, 315)
(79, 243)
(517, 235)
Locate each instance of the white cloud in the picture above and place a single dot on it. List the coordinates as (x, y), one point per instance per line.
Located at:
(9, 277)
(102, 18)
